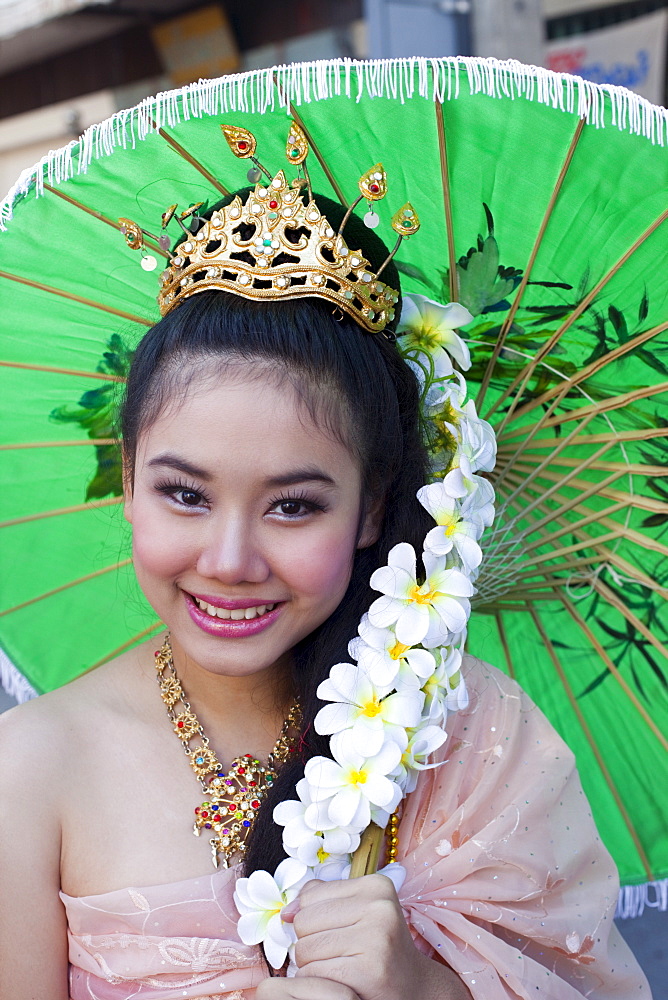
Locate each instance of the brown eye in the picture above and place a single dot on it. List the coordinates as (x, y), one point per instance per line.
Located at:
(190, 498)
(291, 507)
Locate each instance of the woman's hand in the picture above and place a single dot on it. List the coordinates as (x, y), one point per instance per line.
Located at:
(353, 933)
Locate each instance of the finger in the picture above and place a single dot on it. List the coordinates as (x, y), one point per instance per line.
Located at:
(381, 913)
(289, 912)
(305, 988)
(369, 887)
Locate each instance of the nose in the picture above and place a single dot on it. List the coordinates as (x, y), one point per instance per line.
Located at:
(231, 553)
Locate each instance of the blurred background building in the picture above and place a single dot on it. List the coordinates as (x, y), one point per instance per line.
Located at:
(65, 64)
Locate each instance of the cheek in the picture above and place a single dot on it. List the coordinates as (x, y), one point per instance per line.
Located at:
(322, 569)
(151, 554)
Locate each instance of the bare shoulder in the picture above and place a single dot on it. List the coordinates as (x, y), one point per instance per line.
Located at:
(39, 737)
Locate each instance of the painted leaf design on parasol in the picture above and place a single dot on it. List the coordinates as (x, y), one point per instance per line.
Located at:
(96, 413)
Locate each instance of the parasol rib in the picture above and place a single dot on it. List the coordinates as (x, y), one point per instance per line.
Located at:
(535, 429)
(592, 743)
(565, 551)
(593, 368)
(644, 434)
(580, 621)
(58, 444)
(126, 645)
(76, 298)
(607, 555)
(634, 499)
(318, 155)
(548, 459)
(602, 406)
(504, 642)
(447, 202)
(524, 376)
(594, 516)
(633, 468)
(61, 510)
(61, 371)
(65, 586)
(512, 312)
(616, 602)
(189, 158)
(102, 218)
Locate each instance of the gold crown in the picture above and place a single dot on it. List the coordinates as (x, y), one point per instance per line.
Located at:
(277, 245)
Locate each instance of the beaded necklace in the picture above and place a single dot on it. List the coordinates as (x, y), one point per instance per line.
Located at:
(233, 797)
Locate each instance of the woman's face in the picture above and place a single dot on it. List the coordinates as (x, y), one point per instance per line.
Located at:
(245, 521)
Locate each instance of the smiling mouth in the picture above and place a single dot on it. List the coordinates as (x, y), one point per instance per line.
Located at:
(239, 614)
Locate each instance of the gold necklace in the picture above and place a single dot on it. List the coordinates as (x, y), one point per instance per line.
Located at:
(233, 797)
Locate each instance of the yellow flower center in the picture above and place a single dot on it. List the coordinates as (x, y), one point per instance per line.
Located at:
(358, 777)
(372, 708)
(398, 650)
(322, 855)
(420, 596)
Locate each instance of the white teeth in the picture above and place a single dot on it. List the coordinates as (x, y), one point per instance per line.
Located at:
(237, 615)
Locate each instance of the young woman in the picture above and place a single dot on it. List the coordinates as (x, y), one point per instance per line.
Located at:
(272, 459)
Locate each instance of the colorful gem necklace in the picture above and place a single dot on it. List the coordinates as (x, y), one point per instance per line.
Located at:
(233, 797)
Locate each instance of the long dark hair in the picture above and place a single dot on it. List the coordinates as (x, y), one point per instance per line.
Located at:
(357, 383)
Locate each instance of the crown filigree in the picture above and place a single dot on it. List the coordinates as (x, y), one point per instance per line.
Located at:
(277, 245)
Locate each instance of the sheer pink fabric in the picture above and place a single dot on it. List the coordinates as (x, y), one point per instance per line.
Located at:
(507, 882)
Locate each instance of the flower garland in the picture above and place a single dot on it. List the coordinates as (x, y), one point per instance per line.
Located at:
(387, 709)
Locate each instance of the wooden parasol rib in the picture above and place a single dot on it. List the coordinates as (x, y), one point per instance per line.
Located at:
(62, 371)
(600, 407)
(76, 508)
(512, 312)
(580, 621)
(616, 602)
(447, 202)
(189, 158)
(126, 645)
(592, 743)
(521, 380)
(537, 444)
(102, 218)
(591, 369)
(58, 444)
(65, 586)
(75, 298)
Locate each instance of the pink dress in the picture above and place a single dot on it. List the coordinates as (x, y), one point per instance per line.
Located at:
(507, 882)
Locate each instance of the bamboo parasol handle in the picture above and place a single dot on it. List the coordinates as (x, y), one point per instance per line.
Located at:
(365, 858)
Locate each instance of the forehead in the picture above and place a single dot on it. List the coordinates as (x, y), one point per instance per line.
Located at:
(235, 422)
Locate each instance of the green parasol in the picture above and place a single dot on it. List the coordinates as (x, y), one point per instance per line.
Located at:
(542, 202)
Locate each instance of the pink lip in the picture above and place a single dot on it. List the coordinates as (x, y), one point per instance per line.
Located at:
(220, 602)
(230, 629)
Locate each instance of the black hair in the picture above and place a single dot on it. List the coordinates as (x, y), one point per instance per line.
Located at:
(354, 381)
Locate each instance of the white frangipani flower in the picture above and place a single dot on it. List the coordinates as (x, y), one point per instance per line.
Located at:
(428, 325)
(427, 612)
(388, 661)
(309, 835)
(462, 483)
(442, 689)
(421, 744)
(365, 710)
(455, 531)
(477, 440)
(260, 899)
(353, 783)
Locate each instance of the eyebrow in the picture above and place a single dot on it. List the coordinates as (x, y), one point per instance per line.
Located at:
(308, 474)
